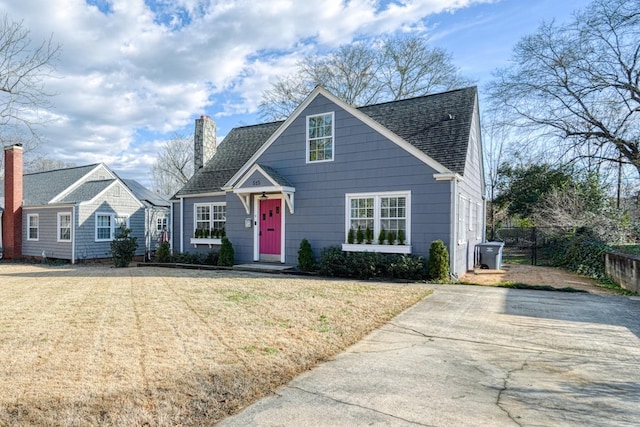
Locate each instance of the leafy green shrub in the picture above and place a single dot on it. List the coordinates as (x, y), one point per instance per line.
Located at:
(227, 255)
(305, 257)
(333, 262)
(369, 265)
(163, 254)
(211, 258)
(582, 253)
(123, 247)
(438, 264)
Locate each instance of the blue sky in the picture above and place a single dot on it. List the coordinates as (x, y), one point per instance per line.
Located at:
(132, 73)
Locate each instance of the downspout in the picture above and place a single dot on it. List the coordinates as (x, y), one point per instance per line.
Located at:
(73, 234)
(453, 239)
(181, 224)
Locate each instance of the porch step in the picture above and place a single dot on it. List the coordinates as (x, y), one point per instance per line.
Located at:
(263, 266)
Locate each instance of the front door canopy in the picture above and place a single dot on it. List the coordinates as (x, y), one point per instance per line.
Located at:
(263, 179)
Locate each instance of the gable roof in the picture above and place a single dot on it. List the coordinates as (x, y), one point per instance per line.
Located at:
(234, 151)
(87, 191)
(41, 187)
(439, 125)
(434, 127)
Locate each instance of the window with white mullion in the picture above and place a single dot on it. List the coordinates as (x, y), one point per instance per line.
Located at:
(104, 225)
(33, 226)
(362, 213)
(64, 227)
(388, 211)
(218, 217)
(462, 218)
(203, 217)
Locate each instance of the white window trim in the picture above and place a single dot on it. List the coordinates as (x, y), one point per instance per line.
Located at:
(112, 224)
(377, 196)
(462, 219)
(479, 221)
(333, 138)
(29, 216)
(211, 205)
(58, 234)
(162, 222)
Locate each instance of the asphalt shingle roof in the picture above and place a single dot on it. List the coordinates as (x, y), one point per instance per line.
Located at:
(39, 188)
(439, 125)
(87, 191)
(236, 149)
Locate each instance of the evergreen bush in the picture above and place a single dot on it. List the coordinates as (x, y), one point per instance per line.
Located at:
(163, 254)
(359, 235)
(351, 236)
(306, 261)
(381, 236)
(438, 264)
(226, 257)
(123, 247)
(368, 235)
(391, 237)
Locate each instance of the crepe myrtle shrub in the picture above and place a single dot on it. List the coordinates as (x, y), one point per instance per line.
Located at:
(438, 264)
(306, 262)
(226, 257)
(123, 247)
(163, 254)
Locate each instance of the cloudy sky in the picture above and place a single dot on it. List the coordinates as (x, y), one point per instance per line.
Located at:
(134, 72)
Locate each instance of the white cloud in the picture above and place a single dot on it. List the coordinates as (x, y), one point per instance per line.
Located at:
(149, 68)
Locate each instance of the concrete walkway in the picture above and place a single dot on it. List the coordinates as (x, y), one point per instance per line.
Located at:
(477, 356)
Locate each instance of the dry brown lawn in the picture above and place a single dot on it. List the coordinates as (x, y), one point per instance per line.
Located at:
(83, 346)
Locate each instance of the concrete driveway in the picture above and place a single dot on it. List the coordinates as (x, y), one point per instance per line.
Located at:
(476, 356)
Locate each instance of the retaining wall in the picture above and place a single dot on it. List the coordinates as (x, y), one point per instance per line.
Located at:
(624, 269)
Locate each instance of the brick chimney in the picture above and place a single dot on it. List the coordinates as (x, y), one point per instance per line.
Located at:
(204, 142)
(12, 217)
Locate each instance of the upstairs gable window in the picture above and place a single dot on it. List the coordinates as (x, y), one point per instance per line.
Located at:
(320, 132)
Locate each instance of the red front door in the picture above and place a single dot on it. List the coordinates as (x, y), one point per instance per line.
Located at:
(270, 226)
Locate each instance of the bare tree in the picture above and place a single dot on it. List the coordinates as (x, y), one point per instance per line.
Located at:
(44, 164)
(173, 166)
(360, 74)
(580, 82)
(24, 68)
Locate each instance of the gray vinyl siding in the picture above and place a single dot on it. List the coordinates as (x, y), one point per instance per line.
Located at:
(189, 222)
(364, 162)
(122, 205)
(47, 242)
(472, 188)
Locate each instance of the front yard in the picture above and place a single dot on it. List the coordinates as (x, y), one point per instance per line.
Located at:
(150, 346)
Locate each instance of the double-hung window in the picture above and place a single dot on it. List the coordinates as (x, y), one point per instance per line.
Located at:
(107, 224)
(64, 227)
(33, 226)
(161, 223)
(320, 138)
(210, 217)
(388, 212)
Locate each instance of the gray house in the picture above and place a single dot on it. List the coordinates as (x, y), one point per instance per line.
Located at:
(411, 167)
(73, 213)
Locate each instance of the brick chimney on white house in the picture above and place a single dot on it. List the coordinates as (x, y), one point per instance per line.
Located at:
(204, 142)
(12, 217)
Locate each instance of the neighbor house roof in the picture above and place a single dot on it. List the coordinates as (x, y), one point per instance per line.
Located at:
(438, 125)
(41, 187)
(144, 194)
(87, 191)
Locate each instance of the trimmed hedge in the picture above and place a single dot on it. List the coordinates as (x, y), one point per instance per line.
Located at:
(370, 265)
